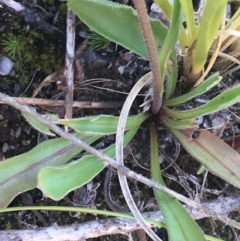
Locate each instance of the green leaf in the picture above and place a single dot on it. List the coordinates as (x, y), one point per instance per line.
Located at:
(211, 19)
(101, 124)
(218, 157)
(180, 124)
(209, 83)
(167, 9)
(118, 23)
(169, 46)
(222, 101)
(180, 225)
(56, 182)
(38, 126)
(188, 11)
(19, 174)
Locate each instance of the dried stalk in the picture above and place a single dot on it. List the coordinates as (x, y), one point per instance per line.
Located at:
(119, 154)
(152, 53)
(69, 71)
(78, 104)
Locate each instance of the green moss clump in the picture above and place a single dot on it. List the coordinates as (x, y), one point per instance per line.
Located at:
(30, 50)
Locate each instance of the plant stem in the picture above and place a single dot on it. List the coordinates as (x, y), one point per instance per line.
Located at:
(152, 53)
(82, 210)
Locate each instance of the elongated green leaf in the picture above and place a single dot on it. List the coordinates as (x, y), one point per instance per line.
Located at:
(38, 126)
(169, 46)
(211, 19)
(209, 83)
(180, 124)
(19, 174)
(188, 11)
(102, 124)
(218, 157)
(56, 182)
(179, 223)
(167, 9)
(222, 101)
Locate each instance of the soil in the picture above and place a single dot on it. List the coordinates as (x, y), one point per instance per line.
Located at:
(109, 75)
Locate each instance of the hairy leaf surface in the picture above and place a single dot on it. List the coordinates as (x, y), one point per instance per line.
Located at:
(102, 124)
(19, 174)
(56, 182)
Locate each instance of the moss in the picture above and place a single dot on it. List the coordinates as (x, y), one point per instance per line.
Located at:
(30, 53)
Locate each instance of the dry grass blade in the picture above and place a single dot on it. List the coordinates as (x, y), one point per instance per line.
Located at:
(119, 154)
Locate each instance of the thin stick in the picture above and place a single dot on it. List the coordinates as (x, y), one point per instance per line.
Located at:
(108, 226)
(107, 160)
(152, 53)
(79, 104)
(69, 72)
(119, 154)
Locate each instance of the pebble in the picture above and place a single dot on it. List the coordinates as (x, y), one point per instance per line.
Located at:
(4, 147)
(121, 69)
(6, 65)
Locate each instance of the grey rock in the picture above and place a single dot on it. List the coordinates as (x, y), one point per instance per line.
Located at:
(6, 65)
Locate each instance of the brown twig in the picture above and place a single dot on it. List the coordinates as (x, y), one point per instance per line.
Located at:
(79, 104)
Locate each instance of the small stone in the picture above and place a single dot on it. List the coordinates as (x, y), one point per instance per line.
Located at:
(82, 34)
(161, 158)
(18, 132)
(12, 132)
(5, 147)
(121, 69)
(128, 56)
(6, 65)
(138, 156)
(2, 27)
(218, 122)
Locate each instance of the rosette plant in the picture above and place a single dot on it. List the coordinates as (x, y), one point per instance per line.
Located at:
(149, 38)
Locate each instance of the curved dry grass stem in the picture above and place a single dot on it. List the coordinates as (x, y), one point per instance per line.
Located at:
(119, 154)
(152, 53)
